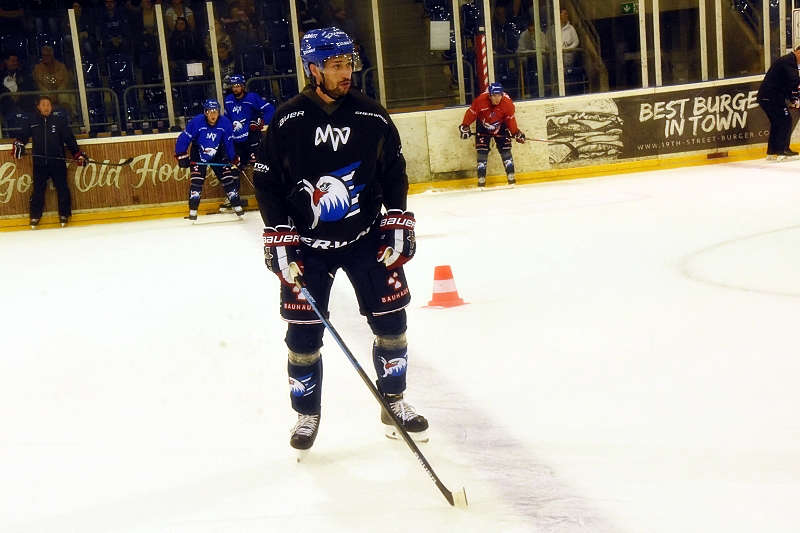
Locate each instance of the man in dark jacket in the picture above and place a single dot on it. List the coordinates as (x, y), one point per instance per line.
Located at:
(49, 134)
(781, 83)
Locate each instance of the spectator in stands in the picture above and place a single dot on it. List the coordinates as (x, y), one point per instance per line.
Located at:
(46, 15)
(499, 21)
(183, 45)
(227, 60)
(50, 74)
(527, 39)
(143, 17)
(175, 10)
(343, 21)
(11, 17)
(240, 28)
(569, 39)
(14, 80)
(84, 24)
(113, 28)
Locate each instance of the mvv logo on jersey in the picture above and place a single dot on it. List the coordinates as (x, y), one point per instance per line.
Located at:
(335, 135)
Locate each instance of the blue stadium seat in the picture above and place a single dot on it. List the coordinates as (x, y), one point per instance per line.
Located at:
(272, 10)
(278, 34)
(15, 44)
(253, 61)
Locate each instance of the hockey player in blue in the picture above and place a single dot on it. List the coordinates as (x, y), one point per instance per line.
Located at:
(211, 138)
(247, 112)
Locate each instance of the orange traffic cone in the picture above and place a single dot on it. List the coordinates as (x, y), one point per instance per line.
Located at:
(444, 288)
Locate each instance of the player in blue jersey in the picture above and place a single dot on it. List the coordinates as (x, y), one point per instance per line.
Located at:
(247, 112)
(211, 138)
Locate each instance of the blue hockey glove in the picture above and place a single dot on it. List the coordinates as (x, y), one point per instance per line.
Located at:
(397, 241)
(282, 252)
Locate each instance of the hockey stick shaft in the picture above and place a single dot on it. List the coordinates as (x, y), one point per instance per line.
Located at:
(122, 163)
(475, 134)
(239, 169)
(380, 399)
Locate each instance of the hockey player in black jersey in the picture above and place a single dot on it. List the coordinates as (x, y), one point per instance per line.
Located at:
(330, 161)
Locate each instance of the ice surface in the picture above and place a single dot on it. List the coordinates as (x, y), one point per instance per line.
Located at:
(627, 361)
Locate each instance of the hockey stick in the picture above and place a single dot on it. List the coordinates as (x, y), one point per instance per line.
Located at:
(572, 149)
(240, 169)
(123, 163)
(548, 141)
(456, 499)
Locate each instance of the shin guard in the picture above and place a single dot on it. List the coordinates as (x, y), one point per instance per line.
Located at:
(390, 356)
(305, 387)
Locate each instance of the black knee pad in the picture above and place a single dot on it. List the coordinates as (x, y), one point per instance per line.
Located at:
(388, 324)
(304, 338)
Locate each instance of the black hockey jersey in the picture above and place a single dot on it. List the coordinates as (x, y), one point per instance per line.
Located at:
(328, 168)
(781, 80)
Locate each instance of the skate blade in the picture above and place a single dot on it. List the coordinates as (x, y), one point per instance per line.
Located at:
(417, 436)
(215, 218)
(460, 499)
(301, 455)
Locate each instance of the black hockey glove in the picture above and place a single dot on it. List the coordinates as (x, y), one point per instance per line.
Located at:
(183, 160)
(18, 150)
(519, 137)
(464, 131)
(282, 252)
(397, 241)
(80, 158)
(257, 124)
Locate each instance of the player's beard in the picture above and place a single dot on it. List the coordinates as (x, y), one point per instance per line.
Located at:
(339, 90)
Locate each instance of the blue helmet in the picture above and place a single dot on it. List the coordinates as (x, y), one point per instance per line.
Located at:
(495, 88)
(236, 79)
(209, 104)
(319, 44)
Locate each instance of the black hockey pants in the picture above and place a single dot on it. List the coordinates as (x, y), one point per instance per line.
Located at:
(780, 125)
(57, 171)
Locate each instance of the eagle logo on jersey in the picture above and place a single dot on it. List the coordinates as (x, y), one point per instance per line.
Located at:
(334, 196)
(394, 367)
(237, 125)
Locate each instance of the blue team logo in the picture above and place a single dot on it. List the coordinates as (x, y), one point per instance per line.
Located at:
(394, 367)
(303, 386)
(334, 196)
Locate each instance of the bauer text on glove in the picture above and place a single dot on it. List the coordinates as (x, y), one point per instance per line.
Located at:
(397, 241)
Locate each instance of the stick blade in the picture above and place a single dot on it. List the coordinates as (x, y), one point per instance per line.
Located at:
(460, 499)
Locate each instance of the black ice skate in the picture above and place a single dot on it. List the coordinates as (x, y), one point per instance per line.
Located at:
(304, 433)
(63, 221)
(415, 425)
(511, 180)
(191, 217)
(481, 182)
(34, 223)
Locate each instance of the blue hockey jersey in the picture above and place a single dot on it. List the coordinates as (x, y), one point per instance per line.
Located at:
(208, 139)
(242, 111)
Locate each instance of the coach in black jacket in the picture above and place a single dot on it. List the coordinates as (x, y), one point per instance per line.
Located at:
(49, 134)
(781, 83)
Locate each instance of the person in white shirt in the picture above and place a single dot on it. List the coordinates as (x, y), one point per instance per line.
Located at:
(527, 39)
(569, 39)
